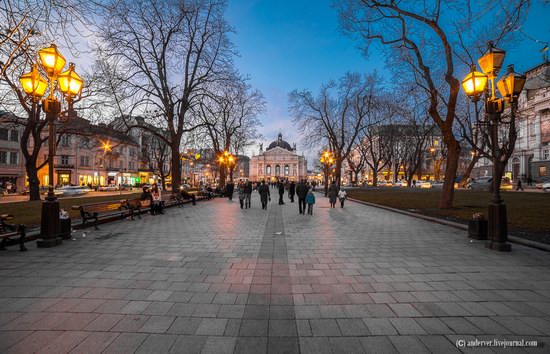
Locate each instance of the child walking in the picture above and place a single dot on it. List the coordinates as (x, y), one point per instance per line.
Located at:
(310, 200)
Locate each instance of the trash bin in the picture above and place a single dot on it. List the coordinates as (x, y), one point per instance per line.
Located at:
(64, 225)
(477, 227)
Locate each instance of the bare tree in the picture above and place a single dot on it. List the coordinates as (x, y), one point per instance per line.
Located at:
(157, 158)
(162, 55)
(427, 43)
(335, 115)
(230, 118)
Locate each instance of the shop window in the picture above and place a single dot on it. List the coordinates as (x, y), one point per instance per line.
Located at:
(3, 134)
(14, 158)
(14, 136)
(542, 171)
(3, 157)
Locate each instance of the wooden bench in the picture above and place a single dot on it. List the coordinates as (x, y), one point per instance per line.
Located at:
(10, 230)
(104, 210)
(134, 207)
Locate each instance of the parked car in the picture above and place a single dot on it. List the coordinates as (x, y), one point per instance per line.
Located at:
(545, 186)
(437, 184)
(126, 187)
(384, 183)
(484, 183)
(109, 188)
(401, 183)
(541, 183)
(425, 184)
(184, 186)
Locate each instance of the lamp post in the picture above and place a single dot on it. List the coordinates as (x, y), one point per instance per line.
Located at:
(327, 160)
(475, 85)
(35, 86)
(227, 161)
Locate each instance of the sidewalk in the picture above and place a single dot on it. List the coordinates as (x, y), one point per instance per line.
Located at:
(213, 278)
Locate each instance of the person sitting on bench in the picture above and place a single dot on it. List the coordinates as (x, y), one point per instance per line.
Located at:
(186, 195)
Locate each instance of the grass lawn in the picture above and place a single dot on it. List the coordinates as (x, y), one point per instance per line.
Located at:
(528, 213)
(29, 212)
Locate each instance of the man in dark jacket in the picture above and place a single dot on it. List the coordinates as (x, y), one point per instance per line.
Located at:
(291, 191)
(229, 190)
(263, 191)
(281, 192)
(301, 192)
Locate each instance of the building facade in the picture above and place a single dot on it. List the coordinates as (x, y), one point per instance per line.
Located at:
(278, 161)
(531, 157)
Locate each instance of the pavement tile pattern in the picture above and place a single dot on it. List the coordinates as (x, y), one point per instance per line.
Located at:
(213, 278)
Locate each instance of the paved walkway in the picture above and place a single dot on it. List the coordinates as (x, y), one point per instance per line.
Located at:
(213, 278)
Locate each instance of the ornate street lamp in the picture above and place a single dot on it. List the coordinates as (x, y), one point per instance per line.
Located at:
(327, 159)
(35, 86)
(510, 87)
(227, 161)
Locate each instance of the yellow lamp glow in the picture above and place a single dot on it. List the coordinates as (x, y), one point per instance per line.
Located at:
(197, 156)
(33, 84)
(231, 158)
(492, 60)
(511, 85)
(474, 83)
(69, 82)
(52, 61)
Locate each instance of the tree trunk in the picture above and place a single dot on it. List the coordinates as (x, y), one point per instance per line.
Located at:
(34, 183)
(223, 176)
(446, 201)
(338, 173)
(163, 181)
(375, 174)
(467, 173)
(176, 166)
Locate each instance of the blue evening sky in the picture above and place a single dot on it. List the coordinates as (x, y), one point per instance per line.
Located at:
(296, 44)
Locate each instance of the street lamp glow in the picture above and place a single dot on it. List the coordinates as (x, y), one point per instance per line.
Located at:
(52, 61)
(492, 60)
(69, 82)
(33, 83)
(511, 85)
(474, 83)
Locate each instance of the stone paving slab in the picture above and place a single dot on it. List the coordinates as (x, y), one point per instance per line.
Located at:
(213, 278)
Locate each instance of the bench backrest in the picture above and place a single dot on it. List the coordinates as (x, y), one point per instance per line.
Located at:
(103, 207)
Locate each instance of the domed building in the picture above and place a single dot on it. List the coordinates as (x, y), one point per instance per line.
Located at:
(279, 160)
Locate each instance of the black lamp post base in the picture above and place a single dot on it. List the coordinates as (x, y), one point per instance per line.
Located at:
(49, 225)
(48, 242)
(498, 228)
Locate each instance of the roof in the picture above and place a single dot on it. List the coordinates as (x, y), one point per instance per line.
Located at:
(280, 143)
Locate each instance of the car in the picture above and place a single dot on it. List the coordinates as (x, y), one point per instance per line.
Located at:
(185, 186)
(3, 192)
(546, 186)
(384, 183)
(109, 188)
(437, 184)
(425, 184)
(401, 183)
(67, 191)
(484, 183)
(541, 183)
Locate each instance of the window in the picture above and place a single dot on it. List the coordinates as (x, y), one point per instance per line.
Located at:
(14, 158)
(287, 170)
(14, 135)
(3, 157)
(268, 170)
(545, 154)
(64, 140)
(542, 171)
(64, 159)
(84, 161)
(131, 165)
(120, 163)
(277, 170)
(3, 134)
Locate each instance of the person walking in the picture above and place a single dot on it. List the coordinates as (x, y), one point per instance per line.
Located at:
(241, 193)
(342, 196)
(281, 192)
(291, 191)
(332, 194)
(247, 194)
(519, 185)
(529, 181)
(310, 200)
(301, 192)
(263, 191)
(229, 190)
